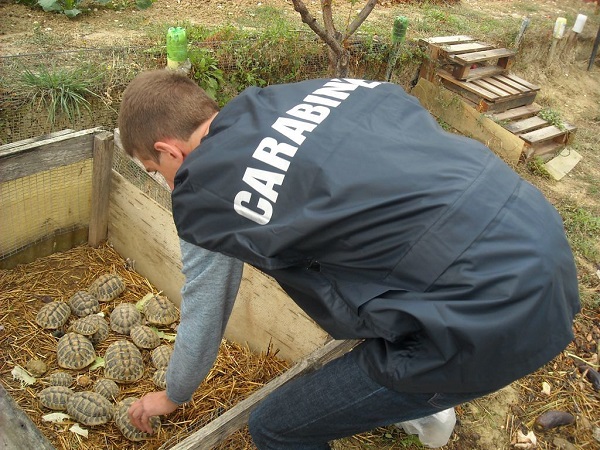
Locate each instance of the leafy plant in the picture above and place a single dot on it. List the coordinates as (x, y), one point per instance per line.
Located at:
(59, 90)
(70, 8)
(205, 71)
(552, 116)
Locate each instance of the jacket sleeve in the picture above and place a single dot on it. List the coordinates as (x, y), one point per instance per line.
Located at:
(211, 285)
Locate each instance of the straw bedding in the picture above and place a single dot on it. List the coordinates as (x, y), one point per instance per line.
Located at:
(25, 289)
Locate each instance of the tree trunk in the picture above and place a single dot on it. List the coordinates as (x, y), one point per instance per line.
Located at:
(338, 53)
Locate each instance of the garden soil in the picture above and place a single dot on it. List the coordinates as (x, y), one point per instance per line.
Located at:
(499, 421)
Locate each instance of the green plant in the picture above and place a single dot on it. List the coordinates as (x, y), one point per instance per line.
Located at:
(60, 90)
(535, 166)
(582, 227)
(205, 71)
(70, 8)
(552, 116)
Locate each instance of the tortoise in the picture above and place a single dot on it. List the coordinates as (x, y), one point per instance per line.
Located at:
(86, 326)
(159, 310)
(123, 362)
(60, 378)
(53, 315)
(36, 367)
(124, 317)
(106, 388)
(126, 427)
(89, 408)
(160, 355)
(107, 287)
(144, 337)
(160, 378)
(82, 304)
(74, 351)
(55, 397)
(103, 329)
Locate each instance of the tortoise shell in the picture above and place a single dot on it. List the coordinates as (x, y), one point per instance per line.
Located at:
(160, 355)
(83, 304)
(86, 326)
(159, 310)
(123, 362)
(160, 378)
(74, 351)
(89, 408)
(107, 287)
(107, 388)
(126, 427)
(53, 315)
(60, 378)
(124, 317)
(103, 329)
(55, 397)
(144, 337)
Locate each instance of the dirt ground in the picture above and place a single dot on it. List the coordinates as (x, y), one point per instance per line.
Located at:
(492, 423)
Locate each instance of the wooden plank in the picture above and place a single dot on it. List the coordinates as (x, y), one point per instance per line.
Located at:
(13, 145)
(468, 121)
(519, 80)
(503, 78)
(452, 49)
(505, 87)
(526, 125)
(482, 72)
(543, 134)
(481, 82)
(504, 104)
(486, 55)
(517, 113)
(45, 155)
(237, 417)
(101, 175)
(467, 86)
(562, 164)
(17, 431)
(442, 40)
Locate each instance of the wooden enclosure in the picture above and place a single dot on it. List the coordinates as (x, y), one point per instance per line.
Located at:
(61, 190)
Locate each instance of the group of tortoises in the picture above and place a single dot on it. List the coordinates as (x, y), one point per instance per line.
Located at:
(123, 360)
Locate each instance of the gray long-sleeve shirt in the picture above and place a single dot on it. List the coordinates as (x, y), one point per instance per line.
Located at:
(211, 285)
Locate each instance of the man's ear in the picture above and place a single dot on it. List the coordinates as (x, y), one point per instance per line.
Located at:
(169, 148)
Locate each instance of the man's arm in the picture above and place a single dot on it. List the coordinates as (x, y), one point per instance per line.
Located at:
(211, 284)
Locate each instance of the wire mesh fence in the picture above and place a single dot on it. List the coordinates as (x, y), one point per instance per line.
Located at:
(30, 105)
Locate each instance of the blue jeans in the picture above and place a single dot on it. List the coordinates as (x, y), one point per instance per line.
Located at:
(336, 401)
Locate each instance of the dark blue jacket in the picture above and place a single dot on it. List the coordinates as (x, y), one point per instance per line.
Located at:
(382, 226)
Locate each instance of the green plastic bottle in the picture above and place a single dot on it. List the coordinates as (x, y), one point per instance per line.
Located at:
(176, 47)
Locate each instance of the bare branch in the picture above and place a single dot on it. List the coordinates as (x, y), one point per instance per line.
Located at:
(328, 17)
(308, 19)
(362, 15)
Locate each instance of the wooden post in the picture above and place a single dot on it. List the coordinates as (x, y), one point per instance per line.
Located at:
(234, 419)
(101, 175)
(594, 50)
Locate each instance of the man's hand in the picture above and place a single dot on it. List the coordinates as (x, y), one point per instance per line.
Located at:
(152, 404)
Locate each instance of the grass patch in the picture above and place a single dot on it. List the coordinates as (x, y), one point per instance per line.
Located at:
(60, 90)
(583, 228)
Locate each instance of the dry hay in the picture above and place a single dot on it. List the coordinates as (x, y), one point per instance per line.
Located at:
(25, 289)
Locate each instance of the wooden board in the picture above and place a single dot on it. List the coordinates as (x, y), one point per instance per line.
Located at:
(562, 164)
(144, 231)
(445, 40)
(467, 120)
(32, 156)
(17, 431)
(517, 113)
(525, 125)
(234, 419)
(468, 47)
(485, 55)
